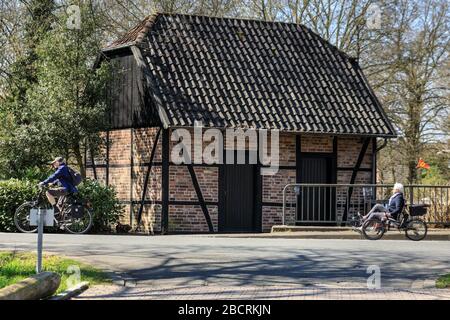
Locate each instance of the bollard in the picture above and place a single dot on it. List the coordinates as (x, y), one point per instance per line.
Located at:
(40, 240)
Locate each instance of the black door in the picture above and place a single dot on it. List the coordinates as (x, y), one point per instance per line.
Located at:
(316, 204)
(238, 198)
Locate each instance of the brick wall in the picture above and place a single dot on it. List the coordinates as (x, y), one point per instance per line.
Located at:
(185, 215)
(272, 185)
(134, 145)
(317, 144)
(348, 152)
(126, 146)
(348, 149)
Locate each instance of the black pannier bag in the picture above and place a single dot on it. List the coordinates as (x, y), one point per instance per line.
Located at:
(77, 210)
(418, 209)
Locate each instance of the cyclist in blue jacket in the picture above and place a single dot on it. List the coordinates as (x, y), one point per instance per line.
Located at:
(64, 181)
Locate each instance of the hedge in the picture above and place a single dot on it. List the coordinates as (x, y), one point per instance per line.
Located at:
(13, 193)
(107, 208)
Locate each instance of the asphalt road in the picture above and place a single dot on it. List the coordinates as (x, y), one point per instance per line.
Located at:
(179, 260)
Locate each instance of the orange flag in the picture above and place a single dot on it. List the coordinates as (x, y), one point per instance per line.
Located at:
(422, 164)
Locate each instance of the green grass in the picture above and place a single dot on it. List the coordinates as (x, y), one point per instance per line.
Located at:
(443, 281)
(16, 266)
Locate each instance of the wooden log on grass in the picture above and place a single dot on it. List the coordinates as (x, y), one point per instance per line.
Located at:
(37, 287)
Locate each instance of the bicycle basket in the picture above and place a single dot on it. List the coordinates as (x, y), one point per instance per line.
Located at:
(418, 210)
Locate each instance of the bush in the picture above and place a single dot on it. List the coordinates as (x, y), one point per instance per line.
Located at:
(13, 193)
(30, 174)
(107, 208)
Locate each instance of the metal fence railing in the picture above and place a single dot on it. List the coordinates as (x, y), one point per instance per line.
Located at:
(337, 203)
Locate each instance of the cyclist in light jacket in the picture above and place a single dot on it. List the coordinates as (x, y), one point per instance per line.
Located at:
(394, 207)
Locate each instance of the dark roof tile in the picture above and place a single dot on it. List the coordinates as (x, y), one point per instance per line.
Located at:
(248, 73)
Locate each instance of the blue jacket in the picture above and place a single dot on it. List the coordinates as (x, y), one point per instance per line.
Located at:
(63, 175)
(396, 204)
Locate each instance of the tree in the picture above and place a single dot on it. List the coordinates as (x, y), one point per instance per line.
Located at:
(11, 16)
(17, 149)
(406, 61)
(59, 107)
(407, 74)
(69, 97)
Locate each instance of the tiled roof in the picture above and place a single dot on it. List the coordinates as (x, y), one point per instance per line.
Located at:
(255, 74)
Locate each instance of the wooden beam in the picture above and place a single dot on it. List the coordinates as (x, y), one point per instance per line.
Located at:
(131, 175)
(374, 160)
(335, 161)
(200, 198)
(222, 199)
(198, 191)
(298, 163)
(353, 169)
(107, 158)
(85, 158)
(147, 176)
(94, 170)
(151, 85)
(353, 178)
(257, 218)
(171, 202)
(298, 157)
(165, 182)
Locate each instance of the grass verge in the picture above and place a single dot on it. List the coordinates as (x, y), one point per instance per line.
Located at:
(16, 266)
(443, 281)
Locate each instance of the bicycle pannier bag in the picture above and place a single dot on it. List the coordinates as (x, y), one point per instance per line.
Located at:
(77, 211)
(76, 177)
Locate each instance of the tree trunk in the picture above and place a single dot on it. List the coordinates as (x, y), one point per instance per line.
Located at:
(79, 159)
(412, 172)
(35, 287)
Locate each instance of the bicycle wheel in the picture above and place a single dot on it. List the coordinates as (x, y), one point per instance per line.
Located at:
(373, 229)
(416, 230)
(79, 225)
(22, 218)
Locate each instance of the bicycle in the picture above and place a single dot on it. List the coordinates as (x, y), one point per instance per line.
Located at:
(415, 229)
(75, 215)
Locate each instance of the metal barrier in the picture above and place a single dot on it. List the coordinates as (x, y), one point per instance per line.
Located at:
(333, 204)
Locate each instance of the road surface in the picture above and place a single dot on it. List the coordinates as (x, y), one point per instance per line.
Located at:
(250, 267)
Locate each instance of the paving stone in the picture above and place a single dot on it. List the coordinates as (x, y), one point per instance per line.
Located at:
(315, 292)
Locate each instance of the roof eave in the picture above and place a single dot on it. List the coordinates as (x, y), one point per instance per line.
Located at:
(118, 47)
(371, 135)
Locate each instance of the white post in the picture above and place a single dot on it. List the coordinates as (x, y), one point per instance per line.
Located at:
(40, 239)
(284, 204)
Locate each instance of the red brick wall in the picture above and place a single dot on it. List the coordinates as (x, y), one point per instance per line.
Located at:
(348, 149)
(272, 185)
(348, 152)
(189, 217)
(317, 144)
(182, 218)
